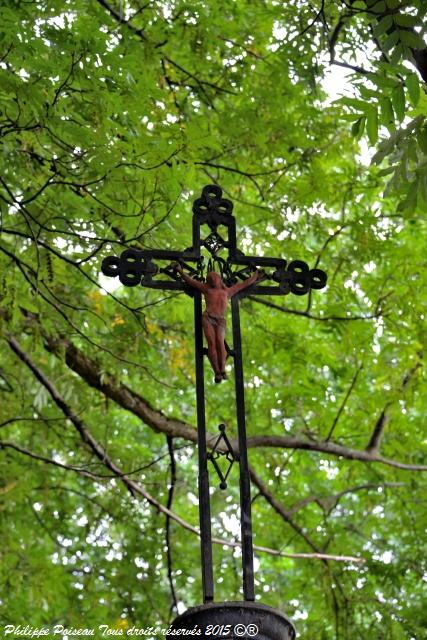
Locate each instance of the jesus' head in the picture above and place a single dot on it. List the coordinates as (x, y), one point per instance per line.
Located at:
(214, 280)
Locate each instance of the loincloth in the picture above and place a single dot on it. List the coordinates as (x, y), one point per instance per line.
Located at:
(214, 321)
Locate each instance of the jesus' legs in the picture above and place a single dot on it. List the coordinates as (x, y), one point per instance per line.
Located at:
(212, 348)
(221, 350)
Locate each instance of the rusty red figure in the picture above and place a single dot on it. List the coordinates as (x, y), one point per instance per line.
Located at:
(216, 296)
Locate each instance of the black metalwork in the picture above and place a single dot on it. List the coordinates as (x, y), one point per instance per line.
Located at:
(234, 620)
(245, 480)
(204, 499)
(222, 449)
(135, 266)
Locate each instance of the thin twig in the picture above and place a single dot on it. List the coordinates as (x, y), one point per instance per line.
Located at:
(344, 402)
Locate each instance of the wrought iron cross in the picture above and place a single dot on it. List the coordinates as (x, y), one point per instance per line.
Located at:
(135, 267)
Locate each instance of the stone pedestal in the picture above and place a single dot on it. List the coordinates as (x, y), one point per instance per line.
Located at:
(232, 621)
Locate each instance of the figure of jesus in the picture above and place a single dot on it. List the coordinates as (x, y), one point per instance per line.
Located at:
(216, 296)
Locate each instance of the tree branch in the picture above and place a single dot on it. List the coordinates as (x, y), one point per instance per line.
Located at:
(354, 67)
(330, 502)
(384, 417)
(344, 402)
(310, 316)
(31, 454)
(122, 20)
(86, 437)
(159, 422)
(227, 543)
(330, 448)
(380, 425)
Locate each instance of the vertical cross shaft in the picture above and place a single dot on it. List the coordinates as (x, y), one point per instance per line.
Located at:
(245, 484)
(204, 498)
(245, 488)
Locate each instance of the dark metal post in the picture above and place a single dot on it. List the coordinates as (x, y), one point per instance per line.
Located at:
(245, 482)
(204, 498)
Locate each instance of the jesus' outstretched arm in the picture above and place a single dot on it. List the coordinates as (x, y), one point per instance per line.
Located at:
(193, 283)
(240, 286)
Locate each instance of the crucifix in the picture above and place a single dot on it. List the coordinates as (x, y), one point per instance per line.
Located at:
(215, 268)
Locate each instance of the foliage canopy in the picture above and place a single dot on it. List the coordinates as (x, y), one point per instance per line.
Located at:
(113, 116)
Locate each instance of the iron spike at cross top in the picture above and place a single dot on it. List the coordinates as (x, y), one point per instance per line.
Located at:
(238, 273)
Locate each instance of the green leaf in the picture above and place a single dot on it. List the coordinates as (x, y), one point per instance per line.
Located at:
(397, 54)
(391, 40)
(372, 125)
(378, 7)
(384, 149)
(398, 101)
(386, 110)
(422, 187)
(413, 87)
(355, 103)
(383, 81)
(383, 25)
(412, 39)
(367, 93)
(422, 139)
(410, 201)
(384, 172)
(358, 127)
(405, 20)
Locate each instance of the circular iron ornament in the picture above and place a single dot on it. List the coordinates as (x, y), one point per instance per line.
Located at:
(225, 207)
(300, 284)
(304, 279)
(298, 266)
(318, 278)
(130, 268)
(110, 266)
(200, 206)
(212, 192)
(212, 203)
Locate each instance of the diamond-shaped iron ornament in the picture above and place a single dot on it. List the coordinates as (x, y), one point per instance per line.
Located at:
(214, 243)
(217, 452)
